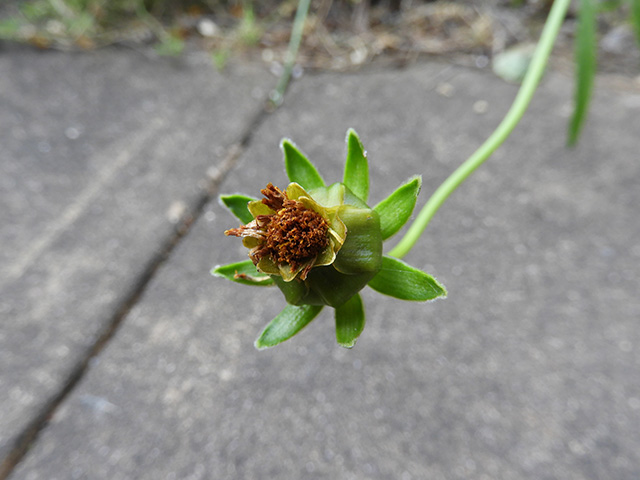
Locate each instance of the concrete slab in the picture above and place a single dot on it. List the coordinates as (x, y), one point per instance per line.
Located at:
(103, 154)
(528, 370)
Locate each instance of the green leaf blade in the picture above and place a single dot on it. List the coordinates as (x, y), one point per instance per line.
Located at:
(299, 168)
(350, 320)
(287, 323)
(237, 204)
(634, 13)
(396, 209)
(399, 280)
(356, 168)
(585, 58)
(244, 272)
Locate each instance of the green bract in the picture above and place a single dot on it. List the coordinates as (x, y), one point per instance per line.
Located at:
(353, 257)
(322, 244)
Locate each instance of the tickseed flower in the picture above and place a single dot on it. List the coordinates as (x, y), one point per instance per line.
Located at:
(320, 245)
(291, 233)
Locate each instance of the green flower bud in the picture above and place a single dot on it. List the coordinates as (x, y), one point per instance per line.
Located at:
(322, 244)
(320, 247)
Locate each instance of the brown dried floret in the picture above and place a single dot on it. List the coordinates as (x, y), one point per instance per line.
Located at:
(294, 235)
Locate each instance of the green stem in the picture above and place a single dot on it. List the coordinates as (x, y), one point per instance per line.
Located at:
(292, 52)
(513, 116)
(151, 22)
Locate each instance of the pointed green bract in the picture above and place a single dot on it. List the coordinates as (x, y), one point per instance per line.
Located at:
(399, 280)
(585, 56)
(288, 322)
(331, 196)
(299, 168)
(244, 272)
(396, 209)
(356, 168)
(238, 205)
(350, 321)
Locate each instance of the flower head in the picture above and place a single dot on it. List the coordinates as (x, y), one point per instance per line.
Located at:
(322, 244)
(291, 233)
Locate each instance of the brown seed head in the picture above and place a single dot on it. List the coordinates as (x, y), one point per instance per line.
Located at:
(294, 235)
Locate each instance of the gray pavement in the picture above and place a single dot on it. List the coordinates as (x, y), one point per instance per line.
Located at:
(528, 370)
(104, 155)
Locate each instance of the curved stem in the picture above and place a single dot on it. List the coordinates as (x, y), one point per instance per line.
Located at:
(513, 116)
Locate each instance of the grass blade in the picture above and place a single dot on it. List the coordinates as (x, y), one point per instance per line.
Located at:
(634, 14)
(585, 58)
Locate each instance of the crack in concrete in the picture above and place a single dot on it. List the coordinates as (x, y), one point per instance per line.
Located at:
(30, 434)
